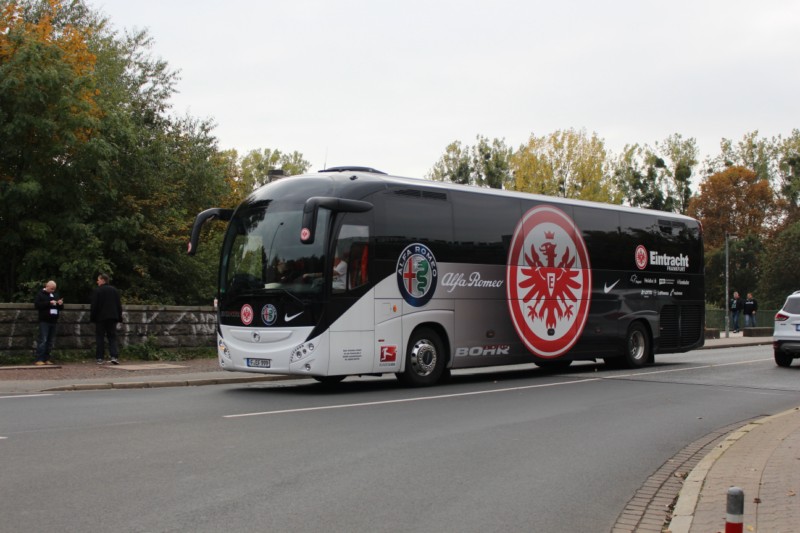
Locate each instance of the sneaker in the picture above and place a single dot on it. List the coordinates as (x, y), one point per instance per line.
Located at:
(114, 361)
(39, 363)
(99, 361)
(48, 362)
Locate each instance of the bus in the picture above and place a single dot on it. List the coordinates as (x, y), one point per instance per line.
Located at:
(352, 272)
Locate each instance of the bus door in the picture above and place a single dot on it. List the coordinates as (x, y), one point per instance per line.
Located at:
(352, 332)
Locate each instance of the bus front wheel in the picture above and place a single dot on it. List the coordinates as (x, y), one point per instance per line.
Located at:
(425, 359)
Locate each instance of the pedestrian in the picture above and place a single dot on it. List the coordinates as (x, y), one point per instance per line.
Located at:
(106, 313)
(735, 308)
(49, 304)
(750, 308)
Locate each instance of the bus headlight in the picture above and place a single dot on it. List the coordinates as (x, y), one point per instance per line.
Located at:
(301, 351)
(222, 347)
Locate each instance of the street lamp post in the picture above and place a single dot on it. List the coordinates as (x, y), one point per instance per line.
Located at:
(727, 288)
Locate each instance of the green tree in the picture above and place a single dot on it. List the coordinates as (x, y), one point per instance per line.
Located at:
(454, 166)
(745, 260)
(780, 275)
(257, 167)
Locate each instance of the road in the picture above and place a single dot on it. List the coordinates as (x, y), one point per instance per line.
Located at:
(500, 450)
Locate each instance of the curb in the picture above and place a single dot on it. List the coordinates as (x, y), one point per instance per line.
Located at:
(683, 514)
(165, 383)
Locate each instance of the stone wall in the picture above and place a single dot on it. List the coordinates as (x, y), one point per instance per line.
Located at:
(168, 326)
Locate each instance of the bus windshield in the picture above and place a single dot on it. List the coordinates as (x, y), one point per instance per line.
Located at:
(262, 252)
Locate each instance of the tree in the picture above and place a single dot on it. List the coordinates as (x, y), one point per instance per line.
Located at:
(780, 275)
(732, 201)
(49, 117)
(745, 260)
(487, 164)
(257, 167)
(788, 181)
(565, 163)
(660, 177)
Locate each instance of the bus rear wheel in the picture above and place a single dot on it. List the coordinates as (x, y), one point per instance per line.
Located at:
(637, 346)
(425, 359)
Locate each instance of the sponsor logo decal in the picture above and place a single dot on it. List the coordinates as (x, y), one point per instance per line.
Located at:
(492, 349)
(289, 318)
(549, 281)
(246, 314)
(607, 288)
(673, 263)
(417, 274)
(388, 354)
(641, 257)
(454, 280)
(269, 314)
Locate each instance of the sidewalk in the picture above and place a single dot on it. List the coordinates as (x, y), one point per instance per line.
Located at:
(762, 458)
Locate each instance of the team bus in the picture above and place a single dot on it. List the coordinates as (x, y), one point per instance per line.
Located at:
(350, 271)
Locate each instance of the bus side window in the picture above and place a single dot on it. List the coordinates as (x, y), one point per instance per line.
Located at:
(357, 269)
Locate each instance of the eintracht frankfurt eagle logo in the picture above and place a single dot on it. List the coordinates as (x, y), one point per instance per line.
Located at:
(549, 281)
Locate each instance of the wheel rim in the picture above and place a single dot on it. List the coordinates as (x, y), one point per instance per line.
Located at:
(423, 357)
(636, 345)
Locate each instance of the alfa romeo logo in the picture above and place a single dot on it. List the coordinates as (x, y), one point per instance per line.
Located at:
(417, 274)
(269, 314)
(549, 285)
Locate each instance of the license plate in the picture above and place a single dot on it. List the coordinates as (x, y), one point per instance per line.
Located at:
(259, 363)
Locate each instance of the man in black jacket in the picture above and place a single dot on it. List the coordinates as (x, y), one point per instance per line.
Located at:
(49, 305)
(106, 313)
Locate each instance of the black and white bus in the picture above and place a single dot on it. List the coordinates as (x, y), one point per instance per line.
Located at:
(350, 271)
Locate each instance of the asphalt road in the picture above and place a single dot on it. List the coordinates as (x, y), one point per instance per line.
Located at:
(502, 450)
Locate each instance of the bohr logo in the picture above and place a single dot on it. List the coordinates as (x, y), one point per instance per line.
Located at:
(549, 281)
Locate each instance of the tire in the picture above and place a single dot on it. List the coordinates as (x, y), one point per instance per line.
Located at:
(556, 365)
(637, 347)
(783, 359)
(425, 359)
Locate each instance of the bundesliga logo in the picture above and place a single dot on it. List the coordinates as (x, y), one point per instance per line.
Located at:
(417, 274)
(549, 281)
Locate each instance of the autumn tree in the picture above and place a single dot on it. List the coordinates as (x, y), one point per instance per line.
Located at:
(566, 163)
(732, 201)
(258, 166)
(49, 121)
(454, 166)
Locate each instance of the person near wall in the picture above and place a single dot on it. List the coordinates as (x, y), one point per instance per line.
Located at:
(736, 309)
(49, 305)
(750, 308)
(106, 313)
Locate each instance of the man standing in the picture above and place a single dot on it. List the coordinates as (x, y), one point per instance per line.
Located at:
(750, 308)
(106, 313)
(49, 305)
(736, 308)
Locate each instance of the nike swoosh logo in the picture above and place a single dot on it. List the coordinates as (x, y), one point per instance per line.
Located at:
(287, 318)
(607, 288)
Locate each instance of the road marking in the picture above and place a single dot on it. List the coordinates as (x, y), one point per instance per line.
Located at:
(685, 369)
(25, 396)
(405, 400)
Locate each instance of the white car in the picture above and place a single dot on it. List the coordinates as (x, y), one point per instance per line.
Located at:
(786, 336)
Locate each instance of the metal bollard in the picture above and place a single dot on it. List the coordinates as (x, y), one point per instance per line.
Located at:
(734, 520)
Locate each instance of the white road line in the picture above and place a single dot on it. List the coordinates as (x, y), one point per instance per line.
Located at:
(405, 400)
(686, 369)
(25, 396)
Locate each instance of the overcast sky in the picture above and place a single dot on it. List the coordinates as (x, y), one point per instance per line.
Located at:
(391, 84)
